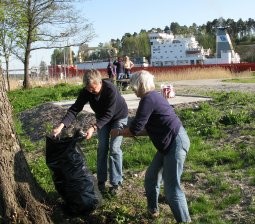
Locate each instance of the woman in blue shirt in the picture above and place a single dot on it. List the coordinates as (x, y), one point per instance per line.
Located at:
(157, 117)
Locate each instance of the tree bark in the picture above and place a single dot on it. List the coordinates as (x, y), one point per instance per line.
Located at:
(27, 79)
(7, 74)
(21, 198)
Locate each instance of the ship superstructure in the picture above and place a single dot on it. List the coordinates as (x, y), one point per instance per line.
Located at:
(170, 50)
(225, 53)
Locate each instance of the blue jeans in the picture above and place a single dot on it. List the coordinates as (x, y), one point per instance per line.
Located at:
(111, 146)
(167, 169)
(127, 73)
(120, 76)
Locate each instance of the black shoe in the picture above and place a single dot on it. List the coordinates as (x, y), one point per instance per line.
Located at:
(101, 187)
(115, 190)
(153, 213)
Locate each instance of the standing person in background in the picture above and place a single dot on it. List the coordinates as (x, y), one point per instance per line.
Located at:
(119, 68)
(111, 71)
(111, 112)
(157, 117)
(128, 65)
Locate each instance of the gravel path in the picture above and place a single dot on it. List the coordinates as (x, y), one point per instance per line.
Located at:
(213, 84)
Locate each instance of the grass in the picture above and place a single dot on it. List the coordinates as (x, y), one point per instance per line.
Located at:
(27, 99)
(241, 80)
(218, 171)
(194, 74)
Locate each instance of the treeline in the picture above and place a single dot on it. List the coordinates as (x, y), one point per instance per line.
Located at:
(138, 45)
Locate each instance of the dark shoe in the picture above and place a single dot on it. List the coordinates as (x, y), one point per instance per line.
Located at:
(101, 187)
(115, 190)
(153, 213)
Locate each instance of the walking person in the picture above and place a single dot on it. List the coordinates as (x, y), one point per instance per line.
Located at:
(157, 118)
(111, 112)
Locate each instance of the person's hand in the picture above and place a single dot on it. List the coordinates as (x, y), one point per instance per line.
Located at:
(89, 133)
(55, 132)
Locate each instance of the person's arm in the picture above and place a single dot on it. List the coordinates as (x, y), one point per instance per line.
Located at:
(76, 108)
(125, 132)
(131, 64)
(114, 70)
(141, 118)
(110, 100)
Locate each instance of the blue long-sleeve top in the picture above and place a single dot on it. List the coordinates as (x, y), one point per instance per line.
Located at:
(158, 118)
(119, 66)
(108, 105)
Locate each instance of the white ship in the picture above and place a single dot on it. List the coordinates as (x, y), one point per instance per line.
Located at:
(170, 50)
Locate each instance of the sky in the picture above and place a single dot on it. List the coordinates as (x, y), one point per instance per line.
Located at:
(111, 19)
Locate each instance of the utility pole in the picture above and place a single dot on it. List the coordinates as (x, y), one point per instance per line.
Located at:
(65, 64)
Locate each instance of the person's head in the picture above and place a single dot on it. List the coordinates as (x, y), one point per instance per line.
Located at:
(142, 82)
(92, 81)
(126, 58)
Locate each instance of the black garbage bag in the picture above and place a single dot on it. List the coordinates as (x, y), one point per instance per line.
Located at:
(72, 178)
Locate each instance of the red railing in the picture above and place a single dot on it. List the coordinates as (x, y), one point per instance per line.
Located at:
(62, 71)
(72, 71)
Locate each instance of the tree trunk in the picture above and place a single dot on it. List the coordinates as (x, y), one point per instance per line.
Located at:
(7, 75)
(27, 79)
(21, 199)
(4, 81)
